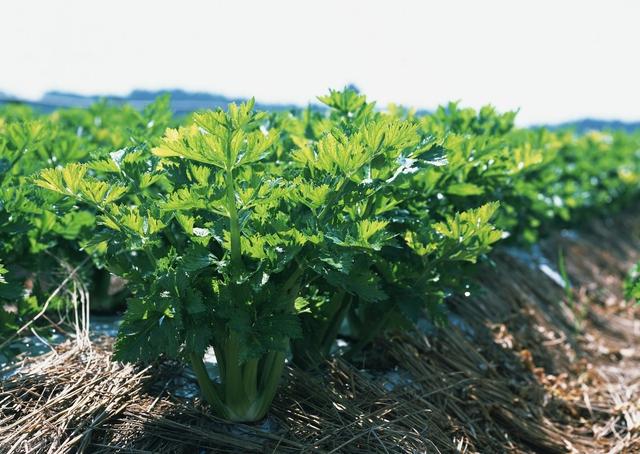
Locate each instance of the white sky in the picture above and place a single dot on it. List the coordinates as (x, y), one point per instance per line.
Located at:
(555, 60)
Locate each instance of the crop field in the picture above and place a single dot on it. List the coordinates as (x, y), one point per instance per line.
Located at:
(345, 278)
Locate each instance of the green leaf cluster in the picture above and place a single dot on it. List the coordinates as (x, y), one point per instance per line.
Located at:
(42, 234)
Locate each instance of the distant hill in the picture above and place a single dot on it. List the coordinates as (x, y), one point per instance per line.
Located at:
(589, 124)
(183, 102)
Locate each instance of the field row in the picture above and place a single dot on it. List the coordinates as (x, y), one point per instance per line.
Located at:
(267, 234)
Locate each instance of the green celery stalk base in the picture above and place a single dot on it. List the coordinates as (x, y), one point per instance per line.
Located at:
(246, 390)
(315, 346)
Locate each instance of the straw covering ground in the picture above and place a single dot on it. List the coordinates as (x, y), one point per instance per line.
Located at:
(526, 365)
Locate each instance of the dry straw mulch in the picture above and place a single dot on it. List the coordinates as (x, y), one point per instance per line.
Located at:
(524, 367)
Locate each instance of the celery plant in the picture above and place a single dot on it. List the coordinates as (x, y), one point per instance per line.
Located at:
(219, 254)
(243, 231)
(404, 275)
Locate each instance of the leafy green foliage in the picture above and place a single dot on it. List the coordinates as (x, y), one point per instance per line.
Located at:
(40, 230)
(254, 233)
(393, 280)
(632, 283)
(221, 255)
(3, 270)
